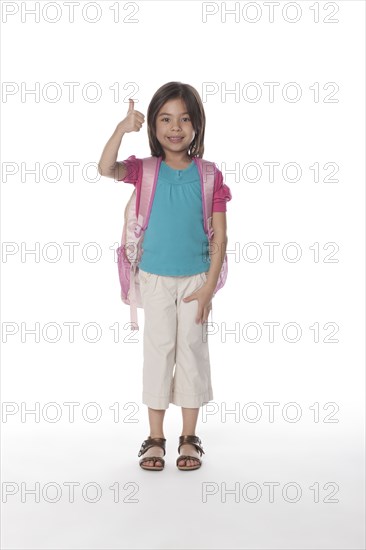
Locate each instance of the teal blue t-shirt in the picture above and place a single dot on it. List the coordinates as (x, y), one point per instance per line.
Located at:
(175, 242)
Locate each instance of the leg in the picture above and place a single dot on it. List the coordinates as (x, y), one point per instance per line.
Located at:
(192, 378)
(157, 297)
(189, 428)
(189, 421)
(160, 329)
(156, 419)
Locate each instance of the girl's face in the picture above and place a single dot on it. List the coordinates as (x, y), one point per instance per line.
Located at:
(173, 121)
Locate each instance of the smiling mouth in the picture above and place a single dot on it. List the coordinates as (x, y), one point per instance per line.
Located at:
(171, 138)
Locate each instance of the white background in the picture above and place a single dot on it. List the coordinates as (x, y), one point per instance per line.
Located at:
(169, 41)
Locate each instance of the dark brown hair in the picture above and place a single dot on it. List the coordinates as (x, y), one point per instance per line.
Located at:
(190, 96)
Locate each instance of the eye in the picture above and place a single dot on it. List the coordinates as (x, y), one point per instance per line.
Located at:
(167, 118)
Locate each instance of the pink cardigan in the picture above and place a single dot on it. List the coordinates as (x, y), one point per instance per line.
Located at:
(221, 195)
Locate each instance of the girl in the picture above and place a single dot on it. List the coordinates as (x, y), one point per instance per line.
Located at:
(175, 282)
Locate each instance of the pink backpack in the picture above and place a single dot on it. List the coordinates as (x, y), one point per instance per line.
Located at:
(136, 222)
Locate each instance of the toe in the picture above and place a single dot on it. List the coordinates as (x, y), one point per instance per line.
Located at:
(188, 462)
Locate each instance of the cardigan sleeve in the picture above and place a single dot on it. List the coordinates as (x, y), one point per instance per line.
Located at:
(133, 169)
(221, 194)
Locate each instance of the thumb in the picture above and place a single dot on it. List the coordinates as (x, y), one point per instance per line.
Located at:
(189, 298)
(131, 105)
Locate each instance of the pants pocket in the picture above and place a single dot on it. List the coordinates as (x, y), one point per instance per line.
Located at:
(144, 276)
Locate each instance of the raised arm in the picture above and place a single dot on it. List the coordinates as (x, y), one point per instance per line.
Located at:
(108, 165)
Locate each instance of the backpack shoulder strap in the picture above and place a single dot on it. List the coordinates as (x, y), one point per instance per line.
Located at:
(208, 173)
(150, 170)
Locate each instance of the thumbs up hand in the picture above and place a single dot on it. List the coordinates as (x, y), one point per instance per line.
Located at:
(134, 119)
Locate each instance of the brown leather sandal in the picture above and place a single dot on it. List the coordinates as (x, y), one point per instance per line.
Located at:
(193, 440)
(152, 442)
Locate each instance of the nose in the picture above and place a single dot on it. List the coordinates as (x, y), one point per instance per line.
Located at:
(175, 126)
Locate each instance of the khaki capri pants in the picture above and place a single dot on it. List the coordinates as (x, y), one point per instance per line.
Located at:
(173, 338)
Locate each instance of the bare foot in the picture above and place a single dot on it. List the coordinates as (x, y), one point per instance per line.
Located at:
(188, 449)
